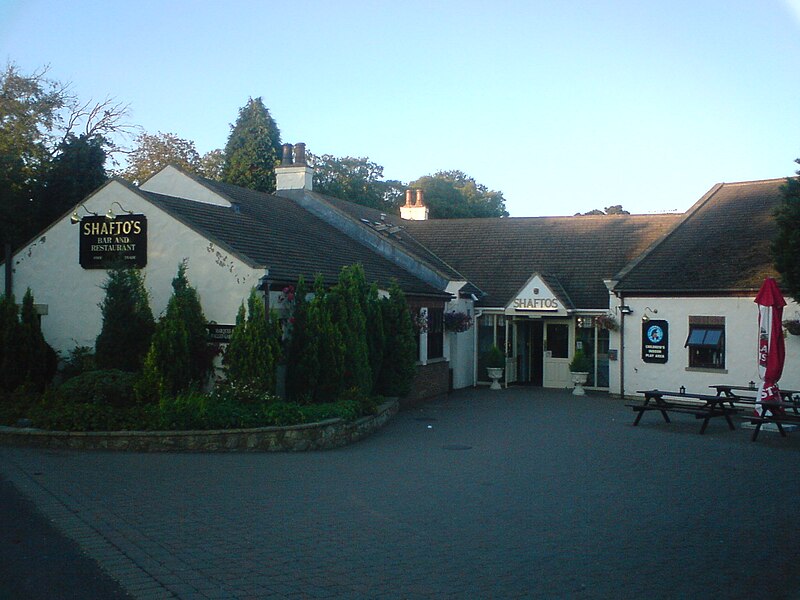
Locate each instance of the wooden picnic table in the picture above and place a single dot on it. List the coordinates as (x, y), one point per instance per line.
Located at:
(730, 391)
(702, 406)
(774, 412)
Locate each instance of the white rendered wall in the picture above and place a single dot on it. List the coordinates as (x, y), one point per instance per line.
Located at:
(50, 267)
(741, 336)
(461, 347)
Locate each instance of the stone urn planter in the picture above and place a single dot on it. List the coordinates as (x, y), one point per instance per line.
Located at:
(579, 380)
(495, 374)
(579, 369)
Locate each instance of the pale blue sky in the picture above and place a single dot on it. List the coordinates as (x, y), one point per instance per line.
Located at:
(562, 105)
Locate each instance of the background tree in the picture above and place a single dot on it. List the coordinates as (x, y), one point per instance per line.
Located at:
(456, 195)
(128, 323)
(211, 164)
(253, 149)
(39, 119)
(255, 348)
(75, 172)
(609, 210)
(154, 152)
(786, 247)
(358, 180)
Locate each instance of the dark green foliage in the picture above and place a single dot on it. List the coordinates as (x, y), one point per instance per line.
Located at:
(110, 387)
(302, 367)
(455, 195)
(400, 354)
(80, 360)
(9, 339)
(255, 347)
(357, 180)
(494, 358)
(27, 359)
(253, 149)
(37, 358)
(579, 363)
(180, 355)
(347, 301)
(328, 345)
(128, 323)
(74, 173)
(786, 247)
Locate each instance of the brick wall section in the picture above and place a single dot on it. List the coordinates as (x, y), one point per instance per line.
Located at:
(431, 380)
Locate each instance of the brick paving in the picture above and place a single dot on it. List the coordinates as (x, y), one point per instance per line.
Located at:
(522, 493)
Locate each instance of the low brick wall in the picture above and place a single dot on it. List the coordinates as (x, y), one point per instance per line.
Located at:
(431, 380)
(332, 433)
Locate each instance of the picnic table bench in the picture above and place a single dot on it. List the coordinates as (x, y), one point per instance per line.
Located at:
(702, 406)
(775, 412)
(779, 413)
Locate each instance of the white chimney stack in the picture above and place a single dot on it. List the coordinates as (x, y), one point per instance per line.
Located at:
(294, 173)
(414, 209)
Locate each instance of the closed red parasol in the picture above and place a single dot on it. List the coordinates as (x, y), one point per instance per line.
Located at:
(771, 349)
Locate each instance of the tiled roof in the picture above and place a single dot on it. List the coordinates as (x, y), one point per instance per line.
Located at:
(267, 230)
(576, 253)
(721, 244)
(373, 217)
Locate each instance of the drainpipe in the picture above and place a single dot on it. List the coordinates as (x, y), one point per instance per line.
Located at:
(478, 314)
(621, 348)
(9, 281)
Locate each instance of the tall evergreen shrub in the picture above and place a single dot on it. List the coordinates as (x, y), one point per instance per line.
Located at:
(302, 365)
(180, 356)
(400, 355)
(255, 347)
(347, 301)
(27, 359)
(128, 323)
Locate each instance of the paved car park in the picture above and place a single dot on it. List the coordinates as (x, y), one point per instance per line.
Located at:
(521, 493)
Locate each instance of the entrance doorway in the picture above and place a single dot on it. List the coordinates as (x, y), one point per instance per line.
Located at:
(530, 352)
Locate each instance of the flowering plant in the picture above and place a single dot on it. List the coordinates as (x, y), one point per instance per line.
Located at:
(606, 322)
(420, 322)
(457, 321)
(792, 326)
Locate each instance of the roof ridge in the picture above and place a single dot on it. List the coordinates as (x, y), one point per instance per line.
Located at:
(626, 270)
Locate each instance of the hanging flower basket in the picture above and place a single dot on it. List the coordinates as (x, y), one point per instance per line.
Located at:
(792, 326)
(457, 321)
(606, 322)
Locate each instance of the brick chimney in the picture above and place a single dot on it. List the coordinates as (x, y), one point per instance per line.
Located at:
(294, 173)
(414, 209)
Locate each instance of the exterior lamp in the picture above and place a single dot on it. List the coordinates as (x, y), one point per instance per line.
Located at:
(645, 318)
(683, 390)
(263, 283)
(110, 214)
(625, 309)
(75, 219)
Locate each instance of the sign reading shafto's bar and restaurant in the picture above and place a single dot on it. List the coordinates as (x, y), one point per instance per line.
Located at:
(118, 242)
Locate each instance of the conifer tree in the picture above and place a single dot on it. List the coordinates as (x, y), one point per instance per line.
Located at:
(179, 356)
(786, 246)
(329, 345)
(400, 356)
(128, 323)
(38, 359)
(254, 350)
(253, 149)
(9, 334)
(302, 366)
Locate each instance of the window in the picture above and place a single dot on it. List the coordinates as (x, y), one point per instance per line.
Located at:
(558, 340)
(706, 342)
(435, 333)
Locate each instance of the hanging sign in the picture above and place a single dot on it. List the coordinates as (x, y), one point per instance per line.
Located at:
(110, 243)
(655, 341)
(220, 334)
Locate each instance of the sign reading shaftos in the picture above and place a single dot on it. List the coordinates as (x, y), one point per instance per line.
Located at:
(119, 242)
(535, 296)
